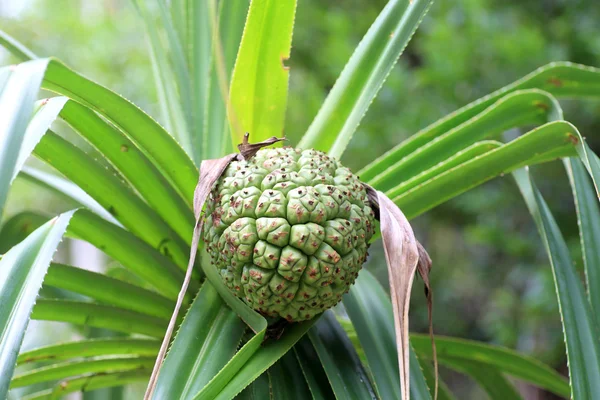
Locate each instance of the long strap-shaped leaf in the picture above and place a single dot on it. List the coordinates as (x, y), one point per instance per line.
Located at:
(259, 84)
(74, 368)
(228, 27)
(67, 189)
(402, 256)
(344, 370)
(148, 135)
(521, 108)
(504, 360)
(491, 380)
(22, 270)
(19, 88)
(370, 311)
(91, 348)
(364, 75)
(206, 340)
(588, 218)
(558, 78)
(90, 382)
(579, 328)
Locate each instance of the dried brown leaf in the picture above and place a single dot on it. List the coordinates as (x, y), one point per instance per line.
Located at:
(424, 268)
(248, 150)
(404, 255)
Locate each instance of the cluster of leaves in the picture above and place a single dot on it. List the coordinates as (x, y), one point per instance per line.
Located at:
(139, 211)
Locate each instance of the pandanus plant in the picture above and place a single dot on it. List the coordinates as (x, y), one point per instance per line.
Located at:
(282, 231)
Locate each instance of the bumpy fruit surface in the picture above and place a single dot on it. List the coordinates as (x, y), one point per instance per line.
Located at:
(288, 231)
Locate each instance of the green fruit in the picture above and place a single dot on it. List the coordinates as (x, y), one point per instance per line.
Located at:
(288, 231)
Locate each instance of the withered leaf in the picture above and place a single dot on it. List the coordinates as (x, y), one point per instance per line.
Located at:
(404, 255)
(248, 150)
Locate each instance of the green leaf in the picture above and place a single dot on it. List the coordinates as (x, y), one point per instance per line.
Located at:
(363, 76)
(260, 389)
(199, 46)
(579, 327)
(206, 341)
(346, 373)
(313, 370)
(443, 391)
(561, 79)
(258, 363)
(521, 108)
(89, 383)
(18, 227)
(588, 218)
(22, 84)
(73, 368)
(22, 270)
(108, 290)
(99, 316)
(171, 74)
(370, 311)
(541, 144)
(287, 380)
(146, 133)
(46, 112)
(15, 48)
(66, 189)
(259, 86)
(113, 194)
(133, 165)
(256, 322)
(494, 383)
(133, 253)
(507, 361)
(91, 348)
(230, 25)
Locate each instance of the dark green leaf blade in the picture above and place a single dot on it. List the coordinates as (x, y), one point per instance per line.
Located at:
(287, 380)
(108, 290)
(90, 382)
(313, 370)
(502, 359)
(579, 328)
(258, 363)
(552, 140)
(346, 373)
(74, 368)
(99, 316)
(562, 79)
(205, 342)
(91, 348)
(494, 383)
(588, 218)
(370, 311)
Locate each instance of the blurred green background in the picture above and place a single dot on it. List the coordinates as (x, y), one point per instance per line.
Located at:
(491, 278)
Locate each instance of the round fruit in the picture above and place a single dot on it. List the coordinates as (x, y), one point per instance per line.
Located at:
(288, 231)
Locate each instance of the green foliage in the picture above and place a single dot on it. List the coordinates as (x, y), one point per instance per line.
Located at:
(260, 78)
(137, 190)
